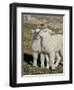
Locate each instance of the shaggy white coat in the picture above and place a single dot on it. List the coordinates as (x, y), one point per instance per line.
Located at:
(37, 49)
(52, 44)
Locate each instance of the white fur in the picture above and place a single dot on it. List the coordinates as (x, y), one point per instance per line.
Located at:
(36, 46)
(51, 45)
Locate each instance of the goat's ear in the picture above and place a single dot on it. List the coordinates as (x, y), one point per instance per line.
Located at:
(33, 30)
(37, 30)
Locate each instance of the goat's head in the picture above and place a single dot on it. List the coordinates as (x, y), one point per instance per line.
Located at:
(45, 32)
(35, 33)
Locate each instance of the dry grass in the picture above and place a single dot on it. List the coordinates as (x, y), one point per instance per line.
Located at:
(31, 70)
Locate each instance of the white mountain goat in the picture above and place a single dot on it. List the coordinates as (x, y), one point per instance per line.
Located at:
(52, 44)
(37, 49)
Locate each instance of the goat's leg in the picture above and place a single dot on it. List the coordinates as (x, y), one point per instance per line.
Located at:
(52, 59)
(58, 59)
(42, 60)
(47, 61)
(35, 56)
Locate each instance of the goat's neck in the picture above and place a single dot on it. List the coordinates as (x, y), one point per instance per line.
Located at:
(47, 38)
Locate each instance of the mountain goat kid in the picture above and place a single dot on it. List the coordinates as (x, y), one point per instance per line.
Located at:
(52, 44)
(37, 49)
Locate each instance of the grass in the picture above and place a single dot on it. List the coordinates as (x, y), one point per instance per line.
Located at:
(27, 39)
(31, 70)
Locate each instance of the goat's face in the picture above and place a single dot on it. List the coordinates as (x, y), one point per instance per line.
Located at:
(35, 33)
(45, 32)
